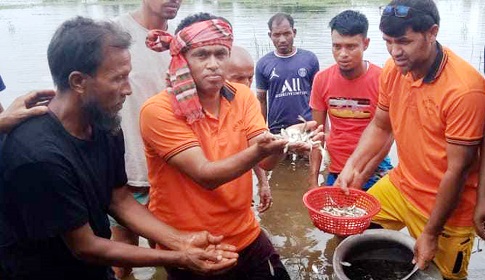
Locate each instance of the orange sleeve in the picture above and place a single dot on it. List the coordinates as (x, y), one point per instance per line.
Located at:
(384, 94)
(465, 118)
(254, 121)
(162, 132)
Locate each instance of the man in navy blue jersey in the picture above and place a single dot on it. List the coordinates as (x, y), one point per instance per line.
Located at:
(284, 77)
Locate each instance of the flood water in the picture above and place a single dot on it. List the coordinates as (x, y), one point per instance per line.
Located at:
(378, 270)
(378, 260)
(27, 26)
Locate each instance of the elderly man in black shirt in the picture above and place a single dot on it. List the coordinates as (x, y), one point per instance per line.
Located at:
(62, 172)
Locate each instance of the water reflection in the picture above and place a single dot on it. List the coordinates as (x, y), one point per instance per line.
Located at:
(27, 25)
(306, 251)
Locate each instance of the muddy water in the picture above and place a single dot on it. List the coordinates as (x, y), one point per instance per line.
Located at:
(306, 251)
(378, 260)
(378, 270)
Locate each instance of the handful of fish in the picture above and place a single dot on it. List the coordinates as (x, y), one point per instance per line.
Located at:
(348, 211)
(294, 135)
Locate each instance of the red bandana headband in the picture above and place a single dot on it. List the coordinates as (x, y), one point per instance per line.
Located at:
(180, 84)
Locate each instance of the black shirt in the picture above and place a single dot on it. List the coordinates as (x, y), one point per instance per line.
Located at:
(54, 183)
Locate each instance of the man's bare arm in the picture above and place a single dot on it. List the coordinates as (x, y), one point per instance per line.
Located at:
(85, 245)
(212, 174)
(364, 159)
(190, 250)
(138, 219)
(263, 149)
(479, 217)
(460, 159)
(316, 155)
(264, 191)
(261, 94)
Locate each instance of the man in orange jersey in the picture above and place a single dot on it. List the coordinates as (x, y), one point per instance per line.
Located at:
(202, 137)
(433, 103)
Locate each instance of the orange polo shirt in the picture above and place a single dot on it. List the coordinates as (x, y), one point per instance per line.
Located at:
(446, 106)
(178, 200)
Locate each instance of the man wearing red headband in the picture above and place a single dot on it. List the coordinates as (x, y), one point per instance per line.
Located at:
(146, 79)
(202, 136)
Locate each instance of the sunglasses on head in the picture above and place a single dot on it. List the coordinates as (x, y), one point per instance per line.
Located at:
(401, 11)
(395, 10)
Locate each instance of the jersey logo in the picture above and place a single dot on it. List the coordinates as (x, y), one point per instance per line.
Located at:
(273, 74)
(302, 72)
(292, 86)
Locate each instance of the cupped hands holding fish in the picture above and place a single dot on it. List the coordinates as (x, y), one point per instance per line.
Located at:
(299, 139)
(204, 253)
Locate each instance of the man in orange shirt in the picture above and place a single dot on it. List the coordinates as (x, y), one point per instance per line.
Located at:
(202, 136)
(433, 103)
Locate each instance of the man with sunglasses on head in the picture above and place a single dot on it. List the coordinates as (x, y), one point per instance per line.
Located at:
(433, 103)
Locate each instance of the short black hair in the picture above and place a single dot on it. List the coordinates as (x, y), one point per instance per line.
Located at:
(279, 17)
(191, 19)
(79, 44)
(423, 14)
(350, 23)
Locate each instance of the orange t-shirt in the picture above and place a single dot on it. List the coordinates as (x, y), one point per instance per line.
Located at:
(350, 105)
(446, 106)
(175, 198)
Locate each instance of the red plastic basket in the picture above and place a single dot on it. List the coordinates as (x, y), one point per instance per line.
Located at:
(317, 198)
